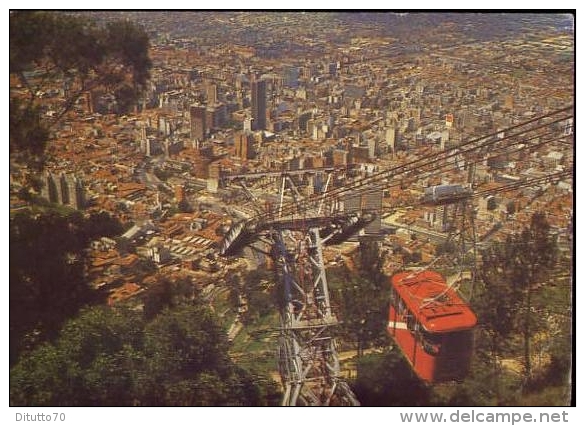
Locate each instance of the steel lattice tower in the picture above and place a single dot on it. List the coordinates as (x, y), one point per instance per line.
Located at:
(296, 232)
(308, 361)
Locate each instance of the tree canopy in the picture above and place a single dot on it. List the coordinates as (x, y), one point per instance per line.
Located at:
(112, 356)
(362, 298)
(58, 51)
(47, 265)
(387, 380)
(46, 47)
(520, 307)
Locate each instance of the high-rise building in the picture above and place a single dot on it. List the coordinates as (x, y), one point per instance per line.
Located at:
(211, 93)
(214, 171)
(209, 117)
(62, 190)
(372, 148)
(76, 192)
(243, 143)
(197, 117)
(449, 121)
(50, 188)
(332, 68)
(151, 146)
(221, 114)
(391, 138)
(247, 124)
(259, 104)
(339, 157)
(291, 76)
(165, 125)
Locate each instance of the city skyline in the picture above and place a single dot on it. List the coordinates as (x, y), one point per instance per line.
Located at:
(298, 143)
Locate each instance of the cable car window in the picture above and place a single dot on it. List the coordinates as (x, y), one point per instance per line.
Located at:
(401, 307)
(411, 322)
(431, 342)
(398, 303)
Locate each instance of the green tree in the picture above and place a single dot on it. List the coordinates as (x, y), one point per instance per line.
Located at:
(166, 293)
(260, 293)
(189, 363)
(181, 344)
(102, 224)
(234, 284)
(39, 378)
(47, 272)
(46, 47)
(27, 137)
(387, 380)
(364, 298)
(511, 273)
(363, 309)
(371, 260)
(90, 364)
(111, 356)
(478, 389)
(554, 303)
(539, 255)
(497, 305)
(46, 276)
(49, 48)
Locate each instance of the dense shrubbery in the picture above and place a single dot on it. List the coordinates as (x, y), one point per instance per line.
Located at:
(47, 272)
(112, 356)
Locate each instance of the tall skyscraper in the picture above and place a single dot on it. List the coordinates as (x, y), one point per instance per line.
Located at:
(76, 192)
(243, 143)
(391, 138)
(50, 188)
(259, 104)
(291, 76)
(62, 190)
(211, 92)
(197, 117)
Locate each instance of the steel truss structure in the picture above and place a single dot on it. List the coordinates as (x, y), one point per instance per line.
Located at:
(458, 223)
(308, 362)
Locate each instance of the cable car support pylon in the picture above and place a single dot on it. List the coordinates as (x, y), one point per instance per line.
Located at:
(308, 361)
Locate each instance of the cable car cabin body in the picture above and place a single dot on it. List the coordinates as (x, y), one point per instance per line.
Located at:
(432, 326)
(445, 194)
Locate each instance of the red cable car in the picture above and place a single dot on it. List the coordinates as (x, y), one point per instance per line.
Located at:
(432, 325)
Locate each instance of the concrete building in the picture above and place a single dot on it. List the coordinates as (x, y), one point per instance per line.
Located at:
(291, 76)
(244, 145)
(213, 178)
(211, 93)
(391, 138)
(198, 121)
(339, 157)
(76, 192)
(50, 188)
(259, 104)
(62, 190)
(160, 254)
(65, 190)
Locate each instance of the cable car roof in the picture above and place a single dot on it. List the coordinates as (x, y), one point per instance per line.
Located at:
(439, 308)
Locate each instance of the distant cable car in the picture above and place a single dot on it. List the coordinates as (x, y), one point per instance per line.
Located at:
(445, 194)
(432, 326)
